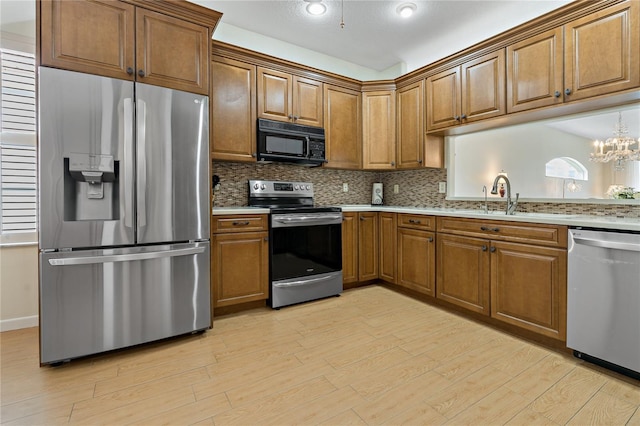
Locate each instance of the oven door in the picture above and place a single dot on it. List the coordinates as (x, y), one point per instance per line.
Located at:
(305, 257)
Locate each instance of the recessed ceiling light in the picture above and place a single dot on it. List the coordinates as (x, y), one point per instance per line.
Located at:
(406, 9)
(316, 7)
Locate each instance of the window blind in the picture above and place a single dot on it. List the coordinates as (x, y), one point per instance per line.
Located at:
(18, 156)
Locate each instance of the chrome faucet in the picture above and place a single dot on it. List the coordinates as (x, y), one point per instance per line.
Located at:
(511, 206)
(485, 208)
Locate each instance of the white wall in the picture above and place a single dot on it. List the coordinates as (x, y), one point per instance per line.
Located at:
(271, 46)
(521, 151)
(18, 287)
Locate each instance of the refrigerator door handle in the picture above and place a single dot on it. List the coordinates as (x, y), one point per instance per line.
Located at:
(128, 162)
(125, 257)
(141, 120)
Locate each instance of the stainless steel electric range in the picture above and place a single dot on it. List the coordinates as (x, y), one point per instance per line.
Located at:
(305, 242)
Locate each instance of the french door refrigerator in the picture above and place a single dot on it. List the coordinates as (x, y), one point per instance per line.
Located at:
(123, 214)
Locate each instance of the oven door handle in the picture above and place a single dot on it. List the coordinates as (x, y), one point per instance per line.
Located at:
(303, 282)
(298, 220)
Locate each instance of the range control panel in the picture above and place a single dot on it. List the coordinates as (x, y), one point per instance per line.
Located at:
(269, 188)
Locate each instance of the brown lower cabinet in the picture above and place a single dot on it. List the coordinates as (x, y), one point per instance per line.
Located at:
(463, 276)
(417, 253)
(239, 260)
(516, 274)
(528, 287)
(359, 247)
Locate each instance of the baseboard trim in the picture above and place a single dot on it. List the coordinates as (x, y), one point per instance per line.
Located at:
(18, 323)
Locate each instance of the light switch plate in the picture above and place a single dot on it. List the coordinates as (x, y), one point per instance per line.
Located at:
(442, 187)
(345, 187)
(396, 188)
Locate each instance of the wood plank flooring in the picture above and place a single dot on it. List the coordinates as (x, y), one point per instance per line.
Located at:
(369, 357)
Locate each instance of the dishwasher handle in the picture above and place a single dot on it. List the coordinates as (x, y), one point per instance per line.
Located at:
(607, 244)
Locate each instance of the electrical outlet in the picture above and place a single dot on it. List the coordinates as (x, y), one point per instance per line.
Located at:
(442, 187)
(396, 188)
(345, 187)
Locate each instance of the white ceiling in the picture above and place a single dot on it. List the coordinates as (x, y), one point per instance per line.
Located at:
(374, 35)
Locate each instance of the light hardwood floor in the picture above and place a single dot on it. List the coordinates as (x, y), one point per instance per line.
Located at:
(369, 357)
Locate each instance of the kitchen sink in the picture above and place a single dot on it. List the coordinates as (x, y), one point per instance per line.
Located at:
(520, 214)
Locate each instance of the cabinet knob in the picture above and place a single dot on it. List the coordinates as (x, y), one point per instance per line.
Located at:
(253, 154)
(129, 70)
(567, 91)
(393, 163)
(457, 117)
(141, 73)
(430, 239)
(419, 161)
(361, 217)
(556, 93)
(463, 116)
(492, 250)
(266, 238)
(295, 117)
(484, 248)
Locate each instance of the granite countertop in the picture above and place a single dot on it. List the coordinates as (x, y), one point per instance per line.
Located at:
(606, 222)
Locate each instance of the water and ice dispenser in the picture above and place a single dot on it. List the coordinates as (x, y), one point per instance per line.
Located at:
(91, 190)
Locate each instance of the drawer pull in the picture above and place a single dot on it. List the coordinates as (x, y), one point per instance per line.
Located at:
(241, 223)
(485, 228)
(414, 221)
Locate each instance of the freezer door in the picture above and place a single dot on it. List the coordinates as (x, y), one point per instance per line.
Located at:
(86, 149)
(97, 300)
(172, 165)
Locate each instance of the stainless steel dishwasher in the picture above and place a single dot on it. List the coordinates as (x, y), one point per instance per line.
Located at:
(603, 311)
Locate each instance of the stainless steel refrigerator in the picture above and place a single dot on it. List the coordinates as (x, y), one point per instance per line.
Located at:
(123, 214)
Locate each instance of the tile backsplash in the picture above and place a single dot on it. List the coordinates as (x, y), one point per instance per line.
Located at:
(417, 188)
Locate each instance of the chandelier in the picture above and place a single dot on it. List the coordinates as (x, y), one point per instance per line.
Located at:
(618, 148)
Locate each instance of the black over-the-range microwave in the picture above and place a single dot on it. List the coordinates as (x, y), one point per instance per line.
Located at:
(291, 143)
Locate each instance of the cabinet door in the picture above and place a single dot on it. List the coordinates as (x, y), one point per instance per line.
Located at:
(342, 126)
(171, 52)
(274, 95)
(94, 37)
(529, 287)
(410, 126)
(307, 102)
(417, 260)
(233, 282)
(443, 99)
(483, 87)
(379, 130)
(367, 246)
(233, 110)
(534, 72)
(349, 248)
(602, 52)
(388, 246)
(463, 274)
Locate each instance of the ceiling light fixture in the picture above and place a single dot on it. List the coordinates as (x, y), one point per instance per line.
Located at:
(316, 7)
(406, 9)
(618, 148)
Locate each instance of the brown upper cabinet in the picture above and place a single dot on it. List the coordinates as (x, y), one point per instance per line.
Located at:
(379, 130)
(602, 52)
(233, 110)
(286, 97)
(600, 55)
(534, 72)
(117, 39)
(343, 127)
(469, 92)
(410, 127)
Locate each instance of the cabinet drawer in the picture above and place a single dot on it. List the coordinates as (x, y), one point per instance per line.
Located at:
(530, 233)
(239, 223)
(416, 221)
